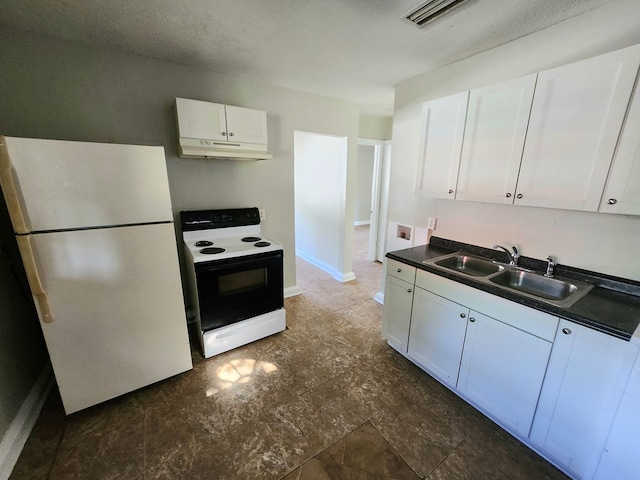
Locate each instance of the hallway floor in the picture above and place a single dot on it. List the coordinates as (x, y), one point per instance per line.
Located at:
(325, 399)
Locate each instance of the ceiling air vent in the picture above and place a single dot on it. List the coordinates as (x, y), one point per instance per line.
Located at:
(428, 11)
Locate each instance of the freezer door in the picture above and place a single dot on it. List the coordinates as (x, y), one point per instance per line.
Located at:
(58, 185)
(118, 319)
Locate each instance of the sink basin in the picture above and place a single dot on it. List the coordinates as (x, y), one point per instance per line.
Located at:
(560, 292)
(549, 288)
(474, 266)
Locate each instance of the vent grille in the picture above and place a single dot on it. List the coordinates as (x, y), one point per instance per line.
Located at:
(429, 11)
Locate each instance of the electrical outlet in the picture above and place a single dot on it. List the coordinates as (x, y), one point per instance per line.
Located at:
(263, 215)
(431, 225)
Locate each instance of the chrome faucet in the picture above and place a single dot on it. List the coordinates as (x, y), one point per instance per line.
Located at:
(513, 257)
(551, 263)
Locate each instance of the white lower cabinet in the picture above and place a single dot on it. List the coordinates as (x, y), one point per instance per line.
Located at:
(620, 457)
(398, 297)
(396, 316)
(496, 362)
(502, 371)
(583, 385)
(553, 383)
(437, 334)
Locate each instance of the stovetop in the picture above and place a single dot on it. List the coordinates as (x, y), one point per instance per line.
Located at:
(229, 239)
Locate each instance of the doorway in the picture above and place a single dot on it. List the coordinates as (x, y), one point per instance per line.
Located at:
(368, 199)
(320, 171)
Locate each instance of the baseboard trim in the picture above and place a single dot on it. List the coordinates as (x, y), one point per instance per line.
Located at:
(335, 273)
(346, 277)
(16, 435)
(379, 297)
(292, 291)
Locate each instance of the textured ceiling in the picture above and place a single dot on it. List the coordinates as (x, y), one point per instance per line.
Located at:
(356, 50)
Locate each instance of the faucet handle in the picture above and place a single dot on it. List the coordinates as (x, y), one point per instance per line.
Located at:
(551, 263)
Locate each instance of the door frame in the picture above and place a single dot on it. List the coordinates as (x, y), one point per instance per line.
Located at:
(375, 195)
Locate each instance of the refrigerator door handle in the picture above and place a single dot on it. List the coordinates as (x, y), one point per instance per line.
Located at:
(10, 190)
(29, 260)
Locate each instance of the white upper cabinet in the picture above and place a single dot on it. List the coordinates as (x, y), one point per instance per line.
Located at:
(246, 125)
(441, 133)
(576, 117)
(214, 121)
(622, 192)
(202, 120)
(494, 136)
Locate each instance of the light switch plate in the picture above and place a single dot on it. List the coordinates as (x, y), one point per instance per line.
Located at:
(263, 215)
(431, 225)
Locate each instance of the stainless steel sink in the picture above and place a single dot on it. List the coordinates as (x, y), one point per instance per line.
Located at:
(474, 266)
(560, 292)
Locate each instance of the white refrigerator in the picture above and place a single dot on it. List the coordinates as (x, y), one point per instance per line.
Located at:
(94, 227)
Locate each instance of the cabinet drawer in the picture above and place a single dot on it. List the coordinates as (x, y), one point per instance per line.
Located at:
(401, 270)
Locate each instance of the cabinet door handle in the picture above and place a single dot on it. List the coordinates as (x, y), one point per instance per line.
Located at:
(612, 201)
(566, 331)
(508, 195)
(462, 315)
(450, 191)
(224, 134)
(399, 270)
(471, 319)
(408, 290)
(519, 195)
(231, 134)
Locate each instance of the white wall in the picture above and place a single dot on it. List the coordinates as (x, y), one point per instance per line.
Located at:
(320, 180)
(606, 243)
(366, 162)
(375, 127)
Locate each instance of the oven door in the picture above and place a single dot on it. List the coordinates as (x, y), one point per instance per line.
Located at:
(235, 289)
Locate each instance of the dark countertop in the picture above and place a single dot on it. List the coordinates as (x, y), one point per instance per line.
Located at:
(612, 307)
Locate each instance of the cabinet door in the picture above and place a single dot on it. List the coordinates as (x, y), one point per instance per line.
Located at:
(622, 193)
(619, 459)
(201, 120)
(246, 125)
(575, 121)
(441, 133)
(437, 333)
(582, 388)
(494, 135)
(502, 371)
(396, 312)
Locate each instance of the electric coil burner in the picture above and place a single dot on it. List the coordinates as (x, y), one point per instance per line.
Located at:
(235, 277)
(203, 243)
(211, 250)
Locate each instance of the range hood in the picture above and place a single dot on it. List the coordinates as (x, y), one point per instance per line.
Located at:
(201, 148)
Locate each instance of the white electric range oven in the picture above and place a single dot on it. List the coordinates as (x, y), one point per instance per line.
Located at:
(235, 277)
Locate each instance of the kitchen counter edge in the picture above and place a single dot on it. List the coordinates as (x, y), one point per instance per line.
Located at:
(611, 298)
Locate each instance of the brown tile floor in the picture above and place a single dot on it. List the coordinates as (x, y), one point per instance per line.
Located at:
(285, 406)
